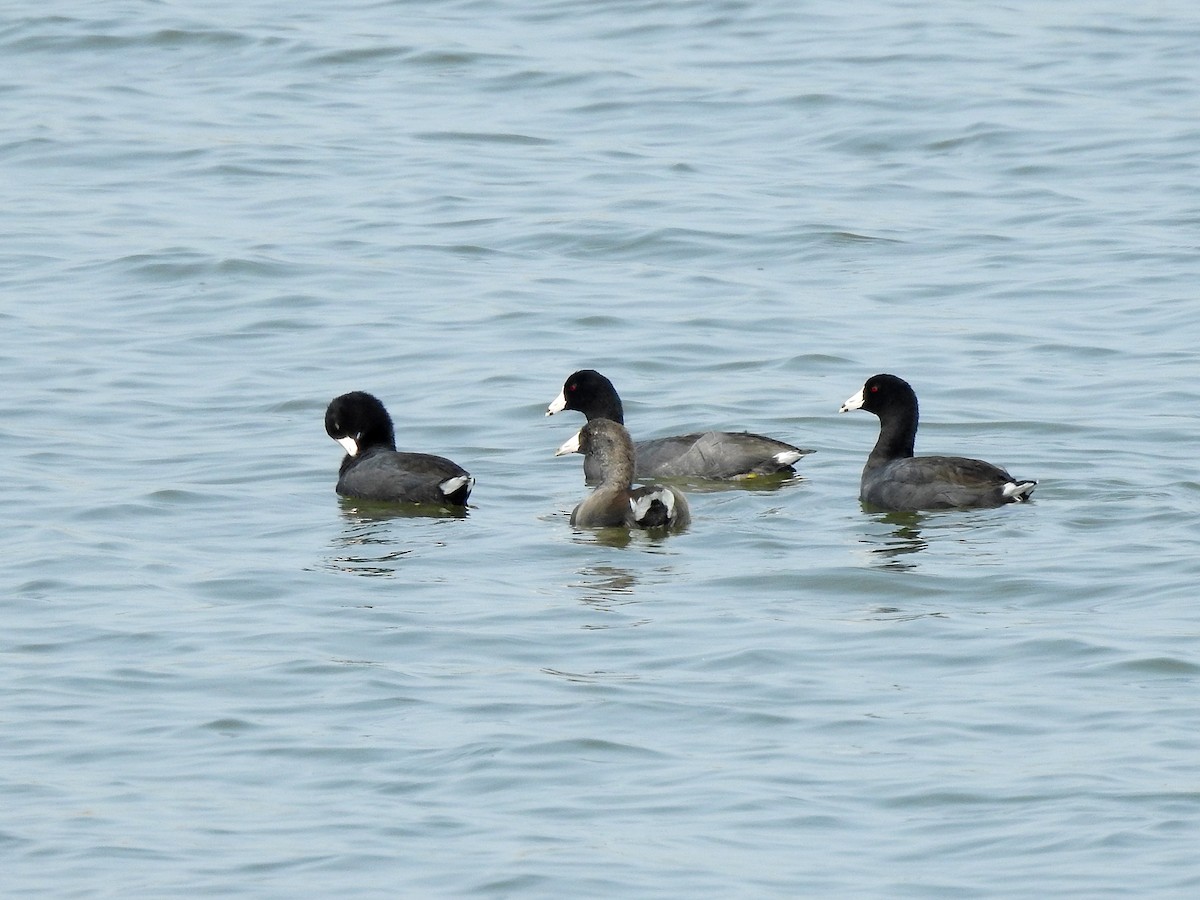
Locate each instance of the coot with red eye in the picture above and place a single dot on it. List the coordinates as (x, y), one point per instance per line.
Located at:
(894, 478)
(374, 469)
(719, 455)
(616, 501)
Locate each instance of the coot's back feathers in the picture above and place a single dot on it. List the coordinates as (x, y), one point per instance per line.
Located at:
(714, 454)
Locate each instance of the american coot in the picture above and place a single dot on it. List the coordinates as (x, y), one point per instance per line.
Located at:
(895, 479)
(374, 470)
(616, 501)
(704, 454)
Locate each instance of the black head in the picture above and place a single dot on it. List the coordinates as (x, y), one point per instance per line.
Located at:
(589, 392)
(359, 421)
(881, 394)
(894, 401)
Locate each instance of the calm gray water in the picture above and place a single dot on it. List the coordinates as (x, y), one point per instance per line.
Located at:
(220, 680)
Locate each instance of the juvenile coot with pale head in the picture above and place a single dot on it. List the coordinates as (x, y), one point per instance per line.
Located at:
(615, 501)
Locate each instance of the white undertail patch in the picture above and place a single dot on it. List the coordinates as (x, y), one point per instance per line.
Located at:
(641, 505)
(787, 457)
(450, 485)
(1018, 491)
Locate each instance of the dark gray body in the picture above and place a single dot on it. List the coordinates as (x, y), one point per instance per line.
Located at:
(936, 482)
(390, 475)
(716, 455)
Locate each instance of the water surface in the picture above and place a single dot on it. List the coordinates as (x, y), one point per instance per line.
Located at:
(221, 679)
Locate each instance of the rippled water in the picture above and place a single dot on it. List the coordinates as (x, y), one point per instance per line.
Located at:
(220, 679)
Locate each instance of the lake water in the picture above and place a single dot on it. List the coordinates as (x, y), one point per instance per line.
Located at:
(221, 680)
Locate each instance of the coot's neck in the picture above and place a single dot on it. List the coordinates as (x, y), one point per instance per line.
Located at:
(368, 445)
(616, 473)
(378, 435)
(605, 404)
(897, 433)
(616, 461)
(375, 437)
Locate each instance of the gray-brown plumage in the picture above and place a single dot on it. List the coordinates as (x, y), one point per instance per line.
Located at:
(615, 501)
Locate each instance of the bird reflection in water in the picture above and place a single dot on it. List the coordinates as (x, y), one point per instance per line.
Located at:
(607, 589)
(604, 589)
(652, 540)
(903, 539)
(367, 545)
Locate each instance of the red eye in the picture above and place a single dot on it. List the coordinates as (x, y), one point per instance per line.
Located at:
(570, 387)
(874, 389)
